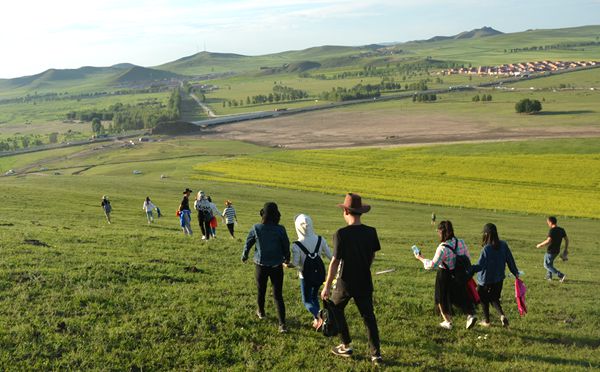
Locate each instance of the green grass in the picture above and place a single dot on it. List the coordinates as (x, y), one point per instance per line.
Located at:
(50, 111)
(123, 297)
(494, 176)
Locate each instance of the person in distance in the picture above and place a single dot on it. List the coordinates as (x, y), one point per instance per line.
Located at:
(553, 241)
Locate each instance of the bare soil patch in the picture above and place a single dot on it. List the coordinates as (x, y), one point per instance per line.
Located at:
(385, 128)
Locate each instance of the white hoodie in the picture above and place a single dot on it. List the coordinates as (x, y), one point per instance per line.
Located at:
(308, 238)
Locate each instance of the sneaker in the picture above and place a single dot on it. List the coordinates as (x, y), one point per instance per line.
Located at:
(282, 328)
(203, 237)
(471, 320)
(342, 350)
(504, 321)
(377, 361)
(563, 278)
(446, 324)
(260, 315)
(483, 323)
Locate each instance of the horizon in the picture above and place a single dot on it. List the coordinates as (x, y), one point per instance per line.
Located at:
(70, 35)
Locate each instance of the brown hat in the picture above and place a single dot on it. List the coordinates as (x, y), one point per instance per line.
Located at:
(353, 203)
(187, 190)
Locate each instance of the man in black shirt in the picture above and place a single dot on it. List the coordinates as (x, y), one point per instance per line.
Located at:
(354, 250)
(553, 241)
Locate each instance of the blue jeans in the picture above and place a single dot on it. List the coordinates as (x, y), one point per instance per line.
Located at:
(549, 265)
(310, 297)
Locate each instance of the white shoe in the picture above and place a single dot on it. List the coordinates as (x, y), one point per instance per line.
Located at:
(471, 319)
(445, 324)
(203, 237)
(563, 278)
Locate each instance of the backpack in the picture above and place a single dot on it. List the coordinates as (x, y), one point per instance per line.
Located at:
(204, 209)
(329, 326)
(462, 268)
(313, 269)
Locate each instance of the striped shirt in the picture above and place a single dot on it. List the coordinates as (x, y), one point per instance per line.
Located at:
(445, 256)
(229, 214)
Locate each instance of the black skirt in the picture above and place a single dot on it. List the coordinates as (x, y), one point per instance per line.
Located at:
(451, 289)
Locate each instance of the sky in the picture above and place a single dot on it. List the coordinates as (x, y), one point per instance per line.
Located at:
(38, 35)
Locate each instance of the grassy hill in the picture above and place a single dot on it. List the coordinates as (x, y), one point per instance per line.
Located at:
(76, 293)
(473, 34)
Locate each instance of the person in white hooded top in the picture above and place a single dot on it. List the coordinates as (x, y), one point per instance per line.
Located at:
(308, 238)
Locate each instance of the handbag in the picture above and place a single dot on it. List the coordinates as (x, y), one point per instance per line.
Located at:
(330, 326)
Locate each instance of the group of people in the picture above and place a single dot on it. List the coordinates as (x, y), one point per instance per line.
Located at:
(354, 248)
(207, 212)
(450, 283)
(349, 276)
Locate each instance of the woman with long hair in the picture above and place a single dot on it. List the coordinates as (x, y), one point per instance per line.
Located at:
(272, 251)
(450, 286)
(495, 255)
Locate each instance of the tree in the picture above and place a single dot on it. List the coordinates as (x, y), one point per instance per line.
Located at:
(475, 98)
(97, 127)
(53, 137)
(527, 106)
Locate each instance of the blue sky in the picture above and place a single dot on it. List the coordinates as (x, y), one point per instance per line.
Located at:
(37, 35)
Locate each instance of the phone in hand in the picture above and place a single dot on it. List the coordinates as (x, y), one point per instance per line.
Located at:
(416, 250)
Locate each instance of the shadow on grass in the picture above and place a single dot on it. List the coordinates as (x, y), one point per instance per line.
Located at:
(555, 360)
(558, 339)
(572, 112)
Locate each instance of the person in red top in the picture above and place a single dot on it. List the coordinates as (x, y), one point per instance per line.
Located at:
(353, 253)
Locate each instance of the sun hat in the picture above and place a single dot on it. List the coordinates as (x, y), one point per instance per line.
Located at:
(353, 203)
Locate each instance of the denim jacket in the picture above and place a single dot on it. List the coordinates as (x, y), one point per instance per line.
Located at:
(492, 263)
(272, 245)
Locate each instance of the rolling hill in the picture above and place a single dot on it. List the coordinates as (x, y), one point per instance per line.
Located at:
(483, 46)
(473, 34)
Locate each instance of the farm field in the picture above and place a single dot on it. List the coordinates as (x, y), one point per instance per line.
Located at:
(136, 296)
(516, 176)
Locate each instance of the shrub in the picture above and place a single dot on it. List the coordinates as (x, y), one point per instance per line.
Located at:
(528, 106)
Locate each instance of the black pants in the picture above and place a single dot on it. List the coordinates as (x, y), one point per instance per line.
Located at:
(490, 293)
(364, 303)
(204, 226)
(230, 228)
(262, 274)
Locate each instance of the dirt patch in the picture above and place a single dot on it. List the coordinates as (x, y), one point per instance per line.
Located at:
(384, 128)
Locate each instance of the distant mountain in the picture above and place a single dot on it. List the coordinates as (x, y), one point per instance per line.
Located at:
(144, 74)
(473, 34)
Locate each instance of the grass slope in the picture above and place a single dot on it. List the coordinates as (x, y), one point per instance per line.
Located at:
(491, 176)
(133, 296)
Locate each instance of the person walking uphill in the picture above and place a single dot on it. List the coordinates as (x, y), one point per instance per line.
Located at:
(148, 207)
(272, 250)
(553, 241)
(494, 257)
(308, 249)
(184, 212)
(450, 285)
(354, 248)
(106, 207)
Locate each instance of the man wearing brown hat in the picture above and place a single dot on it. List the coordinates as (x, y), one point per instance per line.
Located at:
(354, 250)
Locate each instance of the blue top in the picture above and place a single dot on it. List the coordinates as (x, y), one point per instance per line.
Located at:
(272, 245)
(492, 263)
